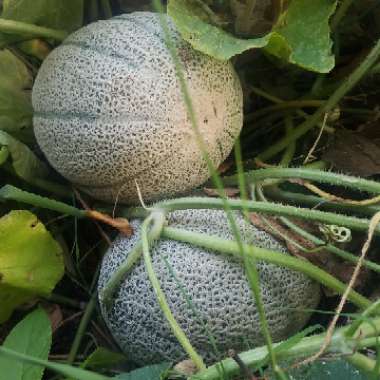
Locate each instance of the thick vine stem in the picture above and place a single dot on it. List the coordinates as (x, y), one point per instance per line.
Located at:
(9, 192)
(18, 27)
(161, 299)
(230, 247)
(321, 176)
(294, 198)
(157, 219)
(340, 344)
(359, 224)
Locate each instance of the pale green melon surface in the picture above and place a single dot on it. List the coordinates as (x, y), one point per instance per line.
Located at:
(109, 110)
(217, 287)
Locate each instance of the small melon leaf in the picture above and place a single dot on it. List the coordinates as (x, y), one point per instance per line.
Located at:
(150, 372)
(31, 336)
(301, 36)
(31, 260)
(15, 106)
(56, 14)
(25, 163)
(305, 35)
(103, 358)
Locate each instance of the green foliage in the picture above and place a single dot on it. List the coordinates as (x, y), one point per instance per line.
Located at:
(301, 36)
(151, 372)
(30, 260)
(192, 22)
(25, 163)
(328, 370)
(15, 105)
(63, 369)
(103, 358)
(56, 14)
(31, 336)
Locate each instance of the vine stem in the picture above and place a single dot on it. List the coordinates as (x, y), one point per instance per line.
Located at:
(321, 176)
(18, 27)
(329, 247)
(307, 346)
(180, 73)
(9, 192)
(251, 271)
(106, 7)
(339, 14)
(90, 307)
(136, 253)
(302, 103)
(314, 201)
(275, 99)
(334, 99)
(359, 224)
(230, 247)
(161, 299)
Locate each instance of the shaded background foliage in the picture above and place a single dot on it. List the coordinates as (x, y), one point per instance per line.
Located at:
(286, 50)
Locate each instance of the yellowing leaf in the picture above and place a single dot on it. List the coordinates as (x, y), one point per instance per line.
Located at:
(31, 260)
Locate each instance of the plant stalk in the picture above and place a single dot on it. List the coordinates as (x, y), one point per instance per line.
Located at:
(350, 182)
(230, 247)
(161, 299)
(358, 224)
(23, 28)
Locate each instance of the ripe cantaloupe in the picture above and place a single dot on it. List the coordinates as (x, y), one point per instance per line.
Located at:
(217, 287)
(109, 110)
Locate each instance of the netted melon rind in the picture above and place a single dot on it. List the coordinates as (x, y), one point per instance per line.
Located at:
(109, 110)
(218, 290)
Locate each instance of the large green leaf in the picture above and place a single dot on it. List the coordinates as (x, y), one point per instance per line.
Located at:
(55, 14)
(31, 260)
(15, 105)
(151, 372)
(192, 22)
(31, 336)
(301, 36)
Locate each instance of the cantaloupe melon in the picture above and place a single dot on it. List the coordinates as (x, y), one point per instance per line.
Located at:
(215, 284)
(109, 110)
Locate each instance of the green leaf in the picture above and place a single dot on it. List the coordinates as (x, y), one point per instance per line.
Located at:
(151, 372)
(24, 162)
(31, 260)
(301, 36)
(192, 22)
(63, 369)
(327, 370)
(103, 358)
(31, 336)
(15, 106)
(55, 14)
